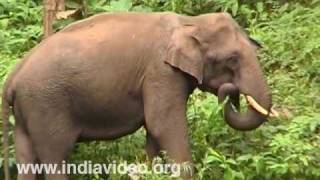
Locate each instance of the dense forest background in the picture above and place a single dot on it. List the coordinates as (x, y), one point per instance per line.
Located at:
(287, 147)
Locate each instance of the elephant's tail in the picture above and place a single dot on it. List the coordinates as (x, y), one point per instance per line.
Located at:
(6, 102)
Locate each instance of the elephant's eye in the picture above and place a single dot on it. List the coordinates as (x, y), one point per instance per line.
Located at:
(233, 62)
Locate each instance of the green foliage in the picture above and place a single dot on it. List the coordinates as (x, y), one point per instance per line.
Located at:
(20, 28)
(284, 148)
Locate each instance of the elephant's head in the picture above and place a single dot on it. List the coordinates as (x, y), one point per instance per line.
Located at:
(214, 50)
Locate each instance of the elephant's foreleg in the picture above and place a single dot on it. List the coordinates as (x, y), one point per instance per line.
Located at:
(165, 114)
(169, 129)
(152, 147)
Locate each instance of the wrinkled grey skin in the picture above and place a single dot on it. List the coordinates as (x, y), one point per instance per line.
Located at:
(105, 77)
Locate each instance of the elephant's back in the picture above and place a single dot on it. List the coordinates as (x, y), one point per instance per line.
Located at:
(104, 37)
(99, 49)
(111, 19)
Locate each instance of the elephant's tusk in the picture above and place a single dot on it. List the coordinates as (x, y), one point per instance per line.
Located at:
(256, 106)
(259, 108)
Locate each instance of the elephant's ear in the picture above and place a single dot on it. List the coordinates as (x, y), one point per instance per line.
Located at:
(184, 52)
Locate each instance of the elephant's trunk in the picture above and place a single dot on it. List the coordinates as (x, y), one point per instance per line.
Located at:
(249, 120)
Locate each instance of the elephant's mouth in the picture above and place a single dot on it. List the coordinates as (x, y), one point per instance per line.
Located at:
(256, 106)
(251, 102)
(255, 115)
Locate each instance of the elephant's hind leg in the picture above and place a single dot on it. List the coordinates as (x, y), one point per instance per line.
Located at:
(54, 148)
(24, 152)
(54, 135)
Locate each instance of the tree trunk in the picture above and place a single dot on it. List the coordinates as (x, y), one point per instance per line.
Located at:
(51, 7)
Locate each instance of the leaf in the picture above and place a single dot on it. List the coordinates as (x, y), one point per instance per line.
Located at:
(4, 23)
(12, 120)
(260, 7)
(260, 165)
(211, 159)
(214, 156)
(141, 8)
(315, 2)
(119, 6)
(229, 174)
(246, 157)
(304, 160)
(65, 14)
(72, 5)
(231, 161)
(235, 8)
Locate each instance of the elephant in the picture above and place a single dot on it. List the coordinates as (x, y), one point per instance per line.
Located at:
(106, 76)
